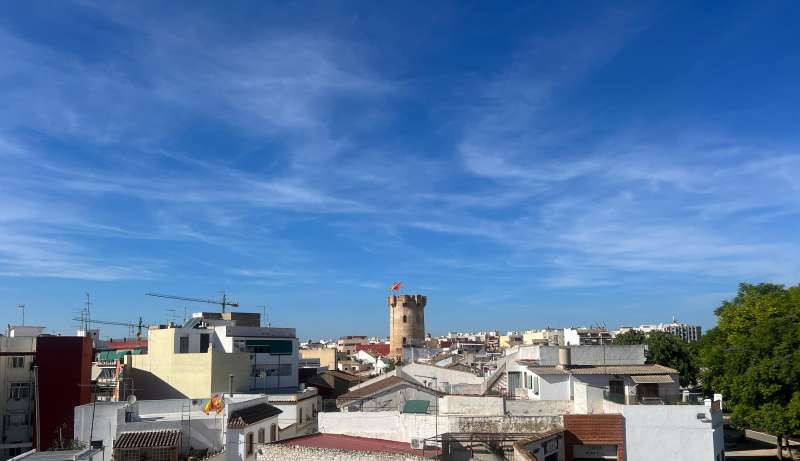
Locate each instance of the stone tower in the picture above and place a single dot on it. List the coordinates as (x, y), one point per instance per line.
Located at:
(406, 322)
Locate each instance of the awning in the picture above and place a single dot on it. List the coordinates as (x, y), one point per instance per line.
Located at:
(652, 379)
(416, 406)
(95, 372)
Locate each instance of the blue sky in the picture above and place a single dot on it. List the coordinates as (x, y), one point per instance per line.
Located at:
(544, 163)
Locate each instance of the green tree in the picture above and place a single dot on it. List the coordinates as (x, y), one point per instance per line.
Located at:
(671, 351)
(752, 358)
(630, 337)
(665, 349)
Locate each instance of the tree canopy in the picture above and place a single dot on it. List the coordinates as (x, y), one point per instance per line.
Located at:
(665, 349)
(752, 357)
(630, 337)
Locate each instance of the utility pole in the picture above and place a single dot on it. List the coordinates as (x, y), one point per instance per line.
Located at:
(436, 396)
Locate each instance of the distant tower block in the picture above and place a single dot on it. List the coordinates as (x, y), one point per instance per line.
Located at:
(406, 322)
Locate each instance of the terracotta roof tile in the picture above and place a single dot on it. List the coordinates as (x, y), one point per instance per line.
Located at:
(242, 417)
(648, 369)
(380, 386)
(148, 439)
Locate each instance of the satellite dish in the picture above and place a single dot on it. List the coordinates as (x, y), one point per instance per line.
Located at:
(131, 399)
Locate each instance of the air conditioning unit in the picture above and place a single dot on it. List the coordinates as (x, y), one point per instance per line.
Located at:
(417, 443)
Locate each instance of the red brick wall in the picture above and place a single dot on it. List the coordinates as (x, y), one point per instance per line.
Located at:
(595, 429)
(65, 364)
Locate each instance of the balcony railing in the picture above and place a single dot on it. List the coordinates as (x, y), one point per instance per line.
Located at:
(679, 399)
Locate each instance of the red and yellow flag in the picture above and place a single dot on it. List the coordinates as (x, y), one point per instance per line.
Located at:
(215, 403)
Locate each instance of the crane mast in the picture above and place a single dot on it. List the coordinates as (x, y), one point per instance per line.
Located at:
(223, 303)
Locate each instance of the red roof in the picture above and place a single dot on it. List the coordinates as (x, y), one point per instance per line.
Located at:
(351, 443)
(381, 349)
(126, 344)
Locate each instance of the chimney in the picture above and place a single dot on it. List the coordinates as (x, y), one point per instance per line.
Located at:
(564, 357)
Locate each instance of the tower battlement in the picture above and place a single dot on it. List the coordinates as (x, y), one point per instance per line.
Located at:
(410, 301)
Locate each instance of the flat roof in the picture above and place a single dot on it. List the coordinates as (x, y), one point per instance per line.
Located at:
(351, 443)
(59, 455)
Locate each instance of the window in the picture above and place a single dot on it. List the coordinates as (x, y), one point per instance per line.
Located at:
(271, 369)
(204, 340)
(16, 419)
(265, 346)
(130, 455)
(273, 433)
(184, 345)
(261, 435)
(19, 391)
(16, 362)
(404, 319)
(616, 386)
(160, 454)
(248, 446)
(300, 416)
(536, 385)
(404, 339)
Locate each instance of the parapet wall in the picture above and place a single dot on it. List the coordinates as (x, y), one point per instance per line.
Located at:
(280, 452)
(401, 427)
(410, 300)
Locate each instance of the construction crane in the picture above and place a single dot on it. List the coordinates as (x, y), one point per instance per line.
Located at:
(222, 302)
(138, 326)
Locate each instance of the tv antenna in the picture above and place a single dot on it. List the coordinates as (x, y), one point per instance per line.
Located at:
(138, 326)
(223, 303)
(21, 308)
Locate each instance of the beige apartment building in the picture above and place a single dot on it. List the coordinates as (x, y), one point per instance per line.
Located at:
(347, 344)
(17, 353)
(328, 357)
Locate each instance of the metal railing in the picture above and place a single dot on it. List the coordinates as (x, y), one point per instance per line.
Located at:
(673, 399)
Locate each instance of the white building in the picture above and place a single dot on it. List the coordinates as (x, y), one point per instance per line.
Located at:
(245, 420)
(587, 336)
(16, 387)
(684, 331)
(379, 364)
(570, 373)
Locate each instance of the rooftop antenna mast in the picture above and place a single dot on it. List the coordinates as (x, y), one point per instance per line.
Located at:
(21, 307)
(223, 303)
(139, 326)
(265, 317)
(88, 319)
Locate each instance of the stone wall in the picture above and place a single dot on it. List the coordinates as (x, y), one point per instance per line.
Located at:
(278, 452)
(391, 425)
(539, 407)
(406, 320)
(472, 405)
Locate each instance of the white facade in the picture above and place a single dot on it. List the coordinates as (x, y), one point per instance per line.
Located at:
(241, 443)
(673, 432)
(443, 379)
(104, 421)
(17, 390)
(276, 369)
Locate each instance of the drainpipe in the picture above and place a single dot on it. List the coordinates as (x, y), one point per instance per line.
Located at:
(36, 396)
(230, 384)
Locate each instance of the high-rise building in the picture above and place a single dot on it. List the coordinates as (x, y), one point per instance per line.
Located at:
(684, 331)
(406, 323)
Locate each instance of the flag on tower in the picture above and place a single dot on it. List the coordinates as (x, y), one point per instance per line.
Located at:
(397, 286)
